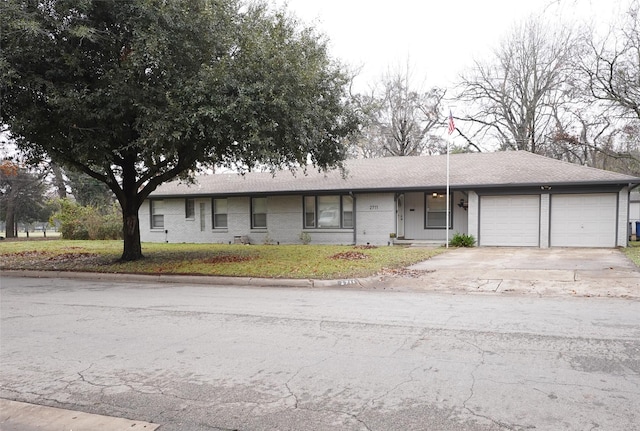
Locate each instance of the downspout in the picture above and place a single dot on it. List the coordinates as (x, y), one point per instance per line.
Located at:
(355, 227)
(629, 228)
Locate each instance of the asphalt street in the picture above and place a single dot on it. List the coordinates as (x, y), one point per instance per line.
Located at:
(197, 357)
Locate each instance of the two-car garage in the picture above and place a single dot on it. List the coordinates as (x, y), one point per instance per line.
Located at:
(556, 220)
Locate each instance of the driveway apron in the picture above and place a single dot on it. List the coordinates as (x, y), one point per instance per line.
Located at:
(572, 271)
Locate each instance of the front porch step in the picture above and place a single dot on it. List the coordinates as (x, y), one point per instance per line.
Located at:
(420, 242)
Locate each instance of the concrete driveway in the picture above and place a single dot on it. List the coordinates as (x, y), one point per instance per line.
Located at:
(560, 271)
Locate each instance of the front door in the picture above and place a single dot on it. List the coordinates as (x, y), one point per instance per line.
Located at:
(400, 217)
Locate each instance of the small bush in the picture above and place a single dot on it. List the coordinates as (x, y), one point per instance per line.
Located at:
(462, 240)
(87, 222)
(267, 239)
(305, 238)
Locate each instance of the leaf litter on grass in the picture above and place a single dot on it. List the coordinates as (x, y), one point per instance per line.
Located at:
(290, 261)
(349, 255)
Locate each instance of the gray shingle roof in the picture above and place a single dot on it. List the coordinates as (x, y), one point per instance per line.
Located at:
(470, 170)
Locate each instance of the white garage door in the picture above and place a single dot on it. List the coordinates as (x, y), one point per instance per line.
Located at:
(510, 220)
(585, 220)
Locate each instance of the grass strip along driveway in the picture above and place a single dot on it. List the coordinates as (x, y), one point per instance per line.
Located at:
(267, 261)
(633, 252)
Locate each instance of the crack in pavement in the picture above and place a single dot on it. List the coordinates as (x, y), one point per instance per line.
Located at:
(298, 371)
(297, 406)
(508, 426)
(411, 379)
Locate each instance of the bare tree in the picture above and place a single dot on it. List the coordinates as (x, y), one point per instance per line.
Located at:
(613, 69)
(399, 119)
(515, 97)
(606, 110)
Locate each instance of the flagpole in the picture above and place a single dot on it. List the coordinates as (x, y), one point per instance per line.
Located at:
(451, 128)
(448, 200)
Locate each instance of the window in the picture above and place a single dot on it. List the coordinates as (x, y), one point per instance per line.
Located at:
(436, 211)
(203, 224)
(157, 214)
(309, 212)
(190, 208)
(259, 213)
(347, 211)
(219, 213)
(328, 212)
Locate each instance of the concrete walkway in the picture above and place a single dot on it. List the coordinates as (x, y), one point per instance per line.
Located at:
(17, 416)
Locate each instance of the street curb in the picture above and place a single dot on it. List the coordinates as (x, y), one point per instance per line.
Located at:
(19, 416)
(194, 279)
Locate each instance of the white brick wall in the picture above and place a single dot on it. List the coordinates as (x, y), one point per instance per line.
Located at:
(474, 215)
(545, 217)
(284, 223)
(375, 218)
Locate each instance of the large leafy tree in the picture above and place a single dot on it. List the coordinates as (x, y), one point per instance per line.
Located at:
(138, 92)
(88, 191)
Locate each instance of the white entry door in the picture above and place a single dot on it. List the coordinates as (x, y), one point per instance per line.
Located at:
(400, 216)
(583, 220)
(510, 221)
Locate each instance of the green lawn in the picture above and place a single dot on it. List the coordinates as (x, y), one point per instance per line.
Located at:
(633, 251)
(269, 261)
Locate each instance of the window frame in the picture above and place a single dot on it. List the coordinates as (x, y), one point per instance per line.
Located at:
(306, 211)
(343, 212)
(440, 193)
(254, 225)
(190, 208)
(313, 200)
(214, 213)
(153, 214)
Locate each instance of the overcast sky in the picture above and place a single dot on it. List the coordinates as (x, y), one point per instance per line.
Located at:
(439, 39)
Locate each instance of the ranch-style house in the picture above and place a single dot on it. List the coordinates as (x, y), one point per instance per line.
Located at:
(511, 198)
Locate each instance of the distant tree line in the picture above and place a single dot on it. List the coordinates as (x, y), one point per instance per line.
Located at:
(79, 205)
(565, 92)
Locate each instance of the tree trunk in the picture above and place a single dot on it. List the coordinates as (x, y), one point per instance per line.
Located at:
(10, 228)
(131, 235)
(58, 181)
(130, 222)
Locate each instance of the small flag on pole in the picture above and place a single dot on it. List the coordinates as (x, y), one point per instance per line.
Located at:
(452, 125)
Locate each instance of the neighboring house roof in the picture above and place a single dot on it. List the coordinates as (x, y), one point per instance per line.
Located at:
(468, 170)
